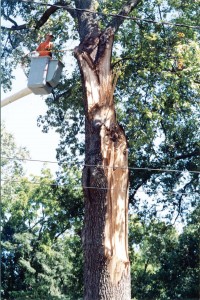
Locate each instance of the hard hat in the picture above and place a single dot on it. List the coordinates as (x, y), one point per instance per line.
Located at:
(50, 34)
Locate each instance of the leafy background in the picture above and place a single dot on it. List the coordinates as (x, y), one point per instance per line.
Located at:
(157, 68)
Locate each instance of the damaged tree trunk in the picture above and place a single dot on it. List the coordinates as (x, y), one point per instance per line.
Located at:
(105, 177)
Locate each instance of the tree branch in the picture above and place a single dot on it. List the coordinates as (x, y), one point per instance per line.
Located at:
(11, 20)
(188, 155)
(144, 180)
(126, 9)
(121, 60)
(52, 9)
(180, 201)
(16, 27)
(87, 21)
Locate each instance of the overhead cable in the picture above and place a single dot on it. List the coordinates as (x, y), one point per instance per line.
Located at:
(113, 15)
(105, 167)
(100, 188)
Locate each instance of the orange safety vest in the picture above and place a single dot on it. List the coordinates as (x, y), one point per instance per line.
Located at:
(44, 49)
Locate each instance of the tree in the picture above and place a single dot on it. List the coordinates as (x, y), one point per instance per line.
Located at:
(40, 239)
(160, 97)
(165, 263)
(40, 245)
(11, 169)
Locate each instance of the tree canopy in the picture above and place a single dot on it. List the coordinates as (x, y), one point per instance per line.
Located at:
(157, 91)
(41, 253)
(41, 246)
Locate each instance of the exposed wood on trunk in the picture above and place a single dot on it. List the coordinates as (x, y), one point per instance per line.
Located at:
(107, 270)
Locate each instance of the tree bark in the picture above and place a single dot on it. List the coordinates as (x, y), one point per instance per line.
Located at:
(105, 176)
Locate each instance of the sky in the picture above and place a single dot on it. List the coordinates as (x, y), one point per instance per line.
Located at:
(20, 119)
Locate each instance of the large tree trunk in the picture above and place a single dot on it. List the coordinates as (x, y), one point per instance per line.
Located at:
(105, 177)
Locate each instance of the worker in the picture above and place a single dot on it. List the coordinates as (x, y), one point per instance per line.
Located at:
(44, 49)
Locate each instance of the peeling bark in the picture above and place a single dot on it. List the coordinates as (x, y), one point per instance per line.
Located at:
(105, 177)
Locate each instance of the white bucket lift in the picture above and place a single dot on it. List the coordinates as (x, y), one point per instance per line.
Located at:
(44, 74)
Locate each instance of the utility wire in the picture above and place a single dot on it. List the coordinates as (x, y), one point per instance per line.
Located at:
(112, 15)
(27, 159)
(146, 168)
(98, 188)
(101, 166)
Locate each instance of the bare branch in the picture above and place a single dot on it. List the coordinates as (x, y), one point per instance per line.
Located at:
(51, 10)
(143, 181)
(11, 20)
(17, 27)
(125, 11)
(188, 155)
(121, 60)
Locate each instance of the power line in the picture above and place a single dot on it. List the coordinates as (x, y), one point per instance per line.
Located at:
(98, 188)
(27, 159)
(104, 167)
(143, 169)
(113, 15)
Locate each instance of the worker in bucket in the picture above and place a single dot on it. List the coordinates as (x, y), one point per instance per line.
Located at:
(44, 49)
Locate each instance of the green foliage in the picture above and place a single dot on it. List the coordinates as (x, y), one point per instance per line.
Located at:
(165, 265)
(41, 224)
(41, 251)
(157, 99)
(66, 115)
(158, 106)
(9, 149)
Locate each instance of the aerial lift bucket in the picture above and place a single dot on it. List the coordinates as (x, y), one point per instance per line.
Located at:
(44, 74)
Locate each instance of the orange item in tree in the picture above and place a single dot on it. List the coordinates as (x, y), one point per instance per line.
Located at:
(45, 47)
